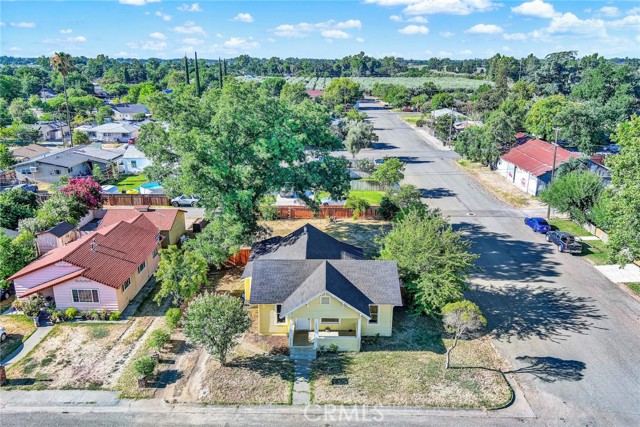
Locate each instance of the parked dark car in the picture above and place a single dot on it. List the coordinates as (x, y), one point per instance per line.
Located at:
(539, 225)
(566, 242)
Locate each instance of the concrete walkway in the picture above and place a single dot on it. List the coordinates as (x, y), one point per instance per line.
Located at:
(27, 346)
(630, 273)
(301, 382)
(131, 309)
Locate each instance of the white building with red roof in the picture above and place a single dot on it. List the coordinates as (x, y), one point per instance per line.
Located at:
(528, 165)
(103, 270)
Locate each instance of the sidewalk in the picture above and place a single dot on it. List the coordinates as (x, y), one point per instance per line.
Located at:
(629, 274)
(27, 346)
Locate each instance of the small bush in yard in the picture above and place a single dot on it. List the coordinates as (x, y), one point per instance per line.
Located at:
(57, 316)
(115, 315)
(158, 339)
(172, 316)
(144, 367)
(71, 312)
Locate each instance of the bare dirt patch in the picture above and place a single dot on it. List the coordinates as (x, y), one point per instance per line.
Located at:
(228, 281)
(499, 186)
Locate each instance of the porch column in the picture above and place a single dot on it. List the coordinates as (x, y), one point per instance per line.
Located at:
(292, 323)
(358, 330)
(316, 324)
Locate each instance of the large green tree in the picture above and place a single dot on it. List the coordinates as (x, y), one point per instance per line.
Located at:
(341, 91)
(216, 322)
(542, 117)
(15, 254)
(433, 259)
(232, 147)
(390, 172)
(574, 193)
(16, 204)
(360, 134)
(624, 235)
(182, 273)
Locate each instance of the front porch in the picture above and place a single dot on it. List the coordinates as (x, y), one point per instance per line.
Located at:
(344, 334)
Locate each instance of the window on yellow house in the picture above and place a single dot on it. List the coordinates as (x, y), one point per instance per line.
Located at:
(279, 318)
(373, 309)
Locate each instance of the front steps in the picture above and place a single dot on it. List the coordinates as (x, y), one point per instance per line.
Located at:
(302, 353)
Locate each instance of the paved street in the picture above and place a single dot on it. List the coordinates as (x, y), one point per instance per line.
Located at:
(572, 337)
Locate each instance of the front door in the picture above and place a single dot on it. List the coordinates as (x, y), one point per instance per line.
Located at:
(303, 324)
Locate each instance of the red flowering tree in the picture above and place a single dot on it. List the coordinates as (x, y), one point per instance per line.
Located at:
(85, 190)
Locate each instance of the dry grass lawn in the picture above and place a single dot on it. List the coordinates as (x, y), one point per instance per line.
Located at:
(407, 369)
(361, 233)
(19, 328)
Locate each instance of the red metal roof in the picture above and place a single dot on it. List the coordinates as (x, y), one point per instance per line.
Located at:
(536, 156)
(314, 93)
(118, 251)
(161, 218)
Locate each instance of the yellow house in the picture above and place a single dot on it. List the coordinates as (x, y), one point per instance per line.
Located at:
(320, 292)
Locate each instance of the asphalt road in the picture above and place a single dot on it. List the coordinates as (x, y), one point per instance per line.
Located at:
(571, 336)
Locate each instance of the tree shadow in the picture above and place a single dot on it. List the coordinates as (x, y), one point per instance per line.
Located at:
(436, 193)
(382, 145)
(507, 259)
(334, 365)
(413, 160)
(264, 365)
(166, 377)
(521, 312)
(551, 369)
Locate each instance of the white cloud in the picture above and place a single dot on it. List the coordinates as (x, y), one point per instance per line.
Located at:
(447, 34)
(271, 40)
(335, 34)
(303, 29)
(638, 38)
(396, 18)
(413, 30)
(631, 21)
(192, 41)
(536, 8)
(15, 49)
(359, 39)
(609, 11)
(633, 11)
(194, 7)
(158, 36)
(485, 29)
(164, 16)
(77, 39)
(2, 24)
(189, 27)
(449, 7)
(66, 31)
(137, 2)
(506, 49)
(240, 43)
(569, 23)
(243, 17)
(514, 36)
(153, 45)
(466, 52)
(418, 19)
(23, 24)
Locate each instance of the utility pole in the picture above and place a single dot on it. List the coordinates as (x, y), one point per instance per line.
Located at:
(453, 111)
(553, 169)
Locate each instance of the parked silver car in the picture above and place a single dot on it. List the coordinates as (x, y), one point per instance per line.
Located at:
(3, 334)
(185, 201)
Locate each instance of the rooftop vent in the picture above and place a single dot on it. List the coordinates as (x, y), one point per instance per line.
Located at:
(93, 244)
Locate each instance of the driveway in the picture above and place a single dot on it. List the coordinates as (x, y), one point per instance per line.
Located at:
(571, 336)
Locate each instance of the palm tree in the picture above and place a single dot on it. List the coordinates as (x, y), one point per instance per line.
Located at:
(63, 63)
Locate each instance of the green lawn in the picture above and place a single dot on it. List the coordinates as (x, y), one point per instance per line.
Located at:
(129, 182)
(635, 287)
(372, 197)
(569, 226)
(19, 327)
(411, 119)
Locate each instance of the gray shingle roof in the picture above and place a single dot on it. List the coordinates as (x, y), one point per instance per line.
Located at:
(60, 229)
(294, 282)
(307, 242)
(74, 156)
(130, 108)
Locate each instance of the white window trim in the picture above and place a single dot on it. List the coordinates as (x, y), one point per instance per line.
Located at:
(369, 321)
(275, 315)
(86, 289)
(330, 323)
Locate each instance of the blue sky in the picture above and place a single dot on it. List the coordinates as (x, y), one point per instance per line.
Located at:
(319, 29)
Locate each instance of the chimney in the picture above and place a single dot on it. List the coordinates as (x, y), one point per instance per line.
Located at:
(93, 244)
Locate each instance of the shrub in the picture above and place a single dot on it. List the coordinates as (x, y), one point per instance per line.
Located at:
(388, 208)
(71, 312)
(33, 305)
(172, 316)
(421, 123)
(103, 314)
(93, 315)
(366, 165)
(57, 316)
(268, 210)
(115, 315)
(358, 205)
(144, 367)
(159, 338)
(18, 305)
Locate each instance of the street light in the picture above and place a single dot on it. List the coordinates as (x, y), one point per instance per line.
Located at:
(553, 168)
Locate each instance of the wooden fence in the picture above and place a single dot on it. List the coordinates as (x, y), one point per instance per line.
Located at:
(303, 212)
(136, 199)
(241, 258)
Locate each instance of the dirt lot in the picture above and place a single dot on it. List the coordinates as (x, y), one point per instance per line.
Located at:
(361, 233)
(408, 369)
(499, 186)
(19, 328)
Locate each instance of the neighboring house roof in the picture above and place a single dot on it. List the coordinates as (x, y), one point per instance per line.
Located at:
(29, 151)
(292, 283)
(9, 232)
(130, 108)
(445, 112)
(60, 229)
(49, 125)
(114, 127)
(75, 156)
(306, 242)
(133, 153)
(163, 219)
(536, 156)
(115, 256)
(314, 93)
